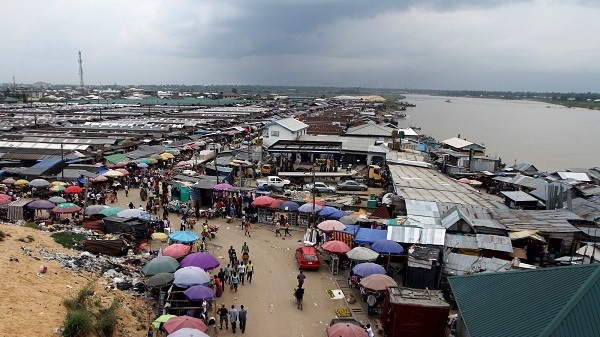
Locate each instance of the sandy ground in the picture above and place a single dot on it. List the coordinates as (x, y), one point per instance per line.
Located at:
(32, 305)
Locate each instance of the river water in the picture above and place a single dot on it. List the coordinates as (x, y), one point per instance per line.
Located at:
(551, 137)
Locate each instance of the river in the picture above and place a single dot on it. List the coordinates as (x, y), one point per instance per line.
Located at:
(551, 137)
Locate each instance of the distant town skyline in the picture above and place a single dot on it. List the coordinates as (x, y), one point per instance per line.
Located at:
(538, 45)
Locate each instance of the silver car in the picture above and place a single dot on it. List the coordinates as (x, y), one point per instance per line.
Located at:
(351, 185)
(320, 187)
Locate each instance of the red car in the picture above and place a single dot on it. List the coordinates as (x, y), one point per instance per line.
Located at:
(307, 258)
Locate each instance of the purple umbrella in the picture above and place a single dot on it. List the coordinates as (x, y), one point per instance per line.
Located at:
(200, 260)
(41, 204)
(199, 292)
(142, 165)
(223, 187)
(367, 268)
(387, 247)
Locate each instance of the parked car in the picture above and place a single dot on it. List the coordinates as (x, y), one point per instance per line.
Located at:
(307, 258)
(351, 185)
(320, 187)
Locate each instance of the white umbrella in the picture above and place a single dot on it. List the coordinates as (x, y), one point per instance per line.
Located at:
(188, 332)
(131, 213)
(39, 183)
(190, 276)
(362, 254)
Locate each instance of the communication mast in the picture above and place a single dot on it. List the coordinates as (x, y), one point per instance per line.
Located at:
(81, 72)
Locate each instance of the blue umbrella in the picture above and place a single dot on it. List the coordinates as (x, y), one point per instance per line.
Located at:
(367, 268)
(184, 236)
(289, 206)
(199, 292)
(327, 210)
(387, 247)
(337, 215)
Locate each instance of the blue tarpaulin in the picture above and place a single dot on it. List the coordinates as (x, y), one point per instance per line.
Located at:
(367, 236)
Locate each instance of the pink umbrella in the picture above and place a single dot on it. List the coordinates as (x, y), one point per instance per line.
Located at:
(346, 330)
(122, 164)
(98, 164)
(336, 247)
(276, 204)
(8, 181)
(176, 323)
(99, 178)
(223, 187)
(378, 282)
(331, 225)
(464, 180)
(111, 166)
(122, 170)
(176, 250)
(183, 163)
(5, 197)
(262, 201)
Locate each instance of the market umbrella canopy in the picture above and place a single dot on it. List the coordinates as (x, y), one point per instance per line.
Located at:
(73, 189)
(184, 236)
(58, 183)
(464, 180)
(337, 215)
(57, 188)
(331, 225)
(123, 171)
(57, 200)
(188, 332)
(223, 187)
(368, 268)
(8, 181)
(131, 213)
(175, 250)
(153, 160)
(39, 183)
(143, 161)
(160, 280)
(177, 323)
(160, 236)
(199, 292)
(161, 319)
(94, 209)
(121, 164)
(190, 276)
(161, 264)
(289, 206)
(308, 208)
(327, 210)
(41, 204)
(5, 197)
(111, 211)
(99, 178)
(142, 165)
(378, 282)
(167, 155)
(362, 254)
(183, 163)
(262, 201)
(346, 330)
(98, 164)
(276, 204)
(5, 201)
(156, 156)
(112, 174)
(336, 247)
(66, 207)
(387, 247)
(201, 260)
(21, 183)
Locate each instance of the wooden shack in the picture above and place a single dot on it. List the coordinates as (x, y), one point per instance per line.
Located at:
(409, 312)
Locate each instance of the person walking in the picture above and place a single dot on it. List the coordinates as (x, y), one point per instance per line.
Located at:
(369, 331)
(243, 316)
(299, 294)
(245, 248)
(371, 301)
(247, 226)
(234, 281)
(233, 317)
(223, 312)
(227, 273)
(277, 228)
(301, 277)
(241, 272)
(249, 271)
(243, 221)
(287, 229)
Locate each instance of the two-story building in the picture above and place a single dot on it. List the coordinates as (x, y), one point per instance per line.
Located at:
(283, 129)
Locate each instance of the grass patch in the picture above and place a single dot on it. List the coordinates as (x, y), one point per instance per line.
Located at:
(106, 320)
(78, 323)
(68, 239)
(32, 225)
(79, 301)
(27, 239)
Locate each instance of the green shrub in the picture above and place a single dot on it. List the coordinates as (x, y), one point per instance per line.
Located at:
(32, 225)
(27, 239)
(78, 323)
(68, 239)
(106, 320)
(78, 302)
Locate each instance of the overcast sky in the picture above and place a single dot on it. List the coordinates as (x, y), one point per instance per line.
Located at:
(428, 44)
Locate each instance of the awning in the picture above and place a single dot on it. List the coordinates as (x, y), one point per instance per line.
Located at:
(117, 158)
(526, 234)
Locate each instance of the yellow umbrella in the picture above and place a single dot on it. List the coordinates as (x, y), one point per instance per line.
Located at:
(57, 183)
(21, 183)
(159, 236)
(167, 155)
(152, 161)
(112, 174)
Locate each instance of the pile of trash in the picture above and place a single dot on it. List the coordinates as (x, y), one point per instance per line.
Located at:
(124, 272)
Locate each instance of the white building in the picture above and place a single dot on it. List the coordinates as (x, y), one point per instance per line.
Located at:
(283, 129)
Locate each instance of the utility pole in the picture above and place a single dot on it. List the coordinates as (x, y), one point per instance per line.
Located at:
(62, 158)
(216, 168)
(81, 73)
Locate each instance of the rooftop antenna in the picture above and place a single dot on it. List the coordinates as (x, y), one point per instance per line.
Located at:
(81, 72)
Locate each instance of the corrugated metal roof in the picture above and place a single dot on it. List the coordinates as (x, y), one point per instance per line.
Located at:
(494, 242)
(580, 176)
(411, 234)
(568, 296)
(457, 142)
(518, 196)
(46, 163)
(461, 241)
(488, 223)
(460, 264)
(370, 129)
(548, 221)
(291, 124)
(587, 209)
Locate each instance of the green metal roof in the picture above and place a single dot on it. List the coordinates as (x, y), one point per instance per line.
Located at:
(117, 158)
(550, 302)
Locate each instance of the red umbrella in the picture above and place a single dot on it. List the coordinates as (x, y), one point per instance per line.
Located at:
(276, 204)
(176, 250)
(176, 323)
(336, 247)
(73, 189)
(331, 225)
(346, 330)
(262, 201)
(5, 196)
